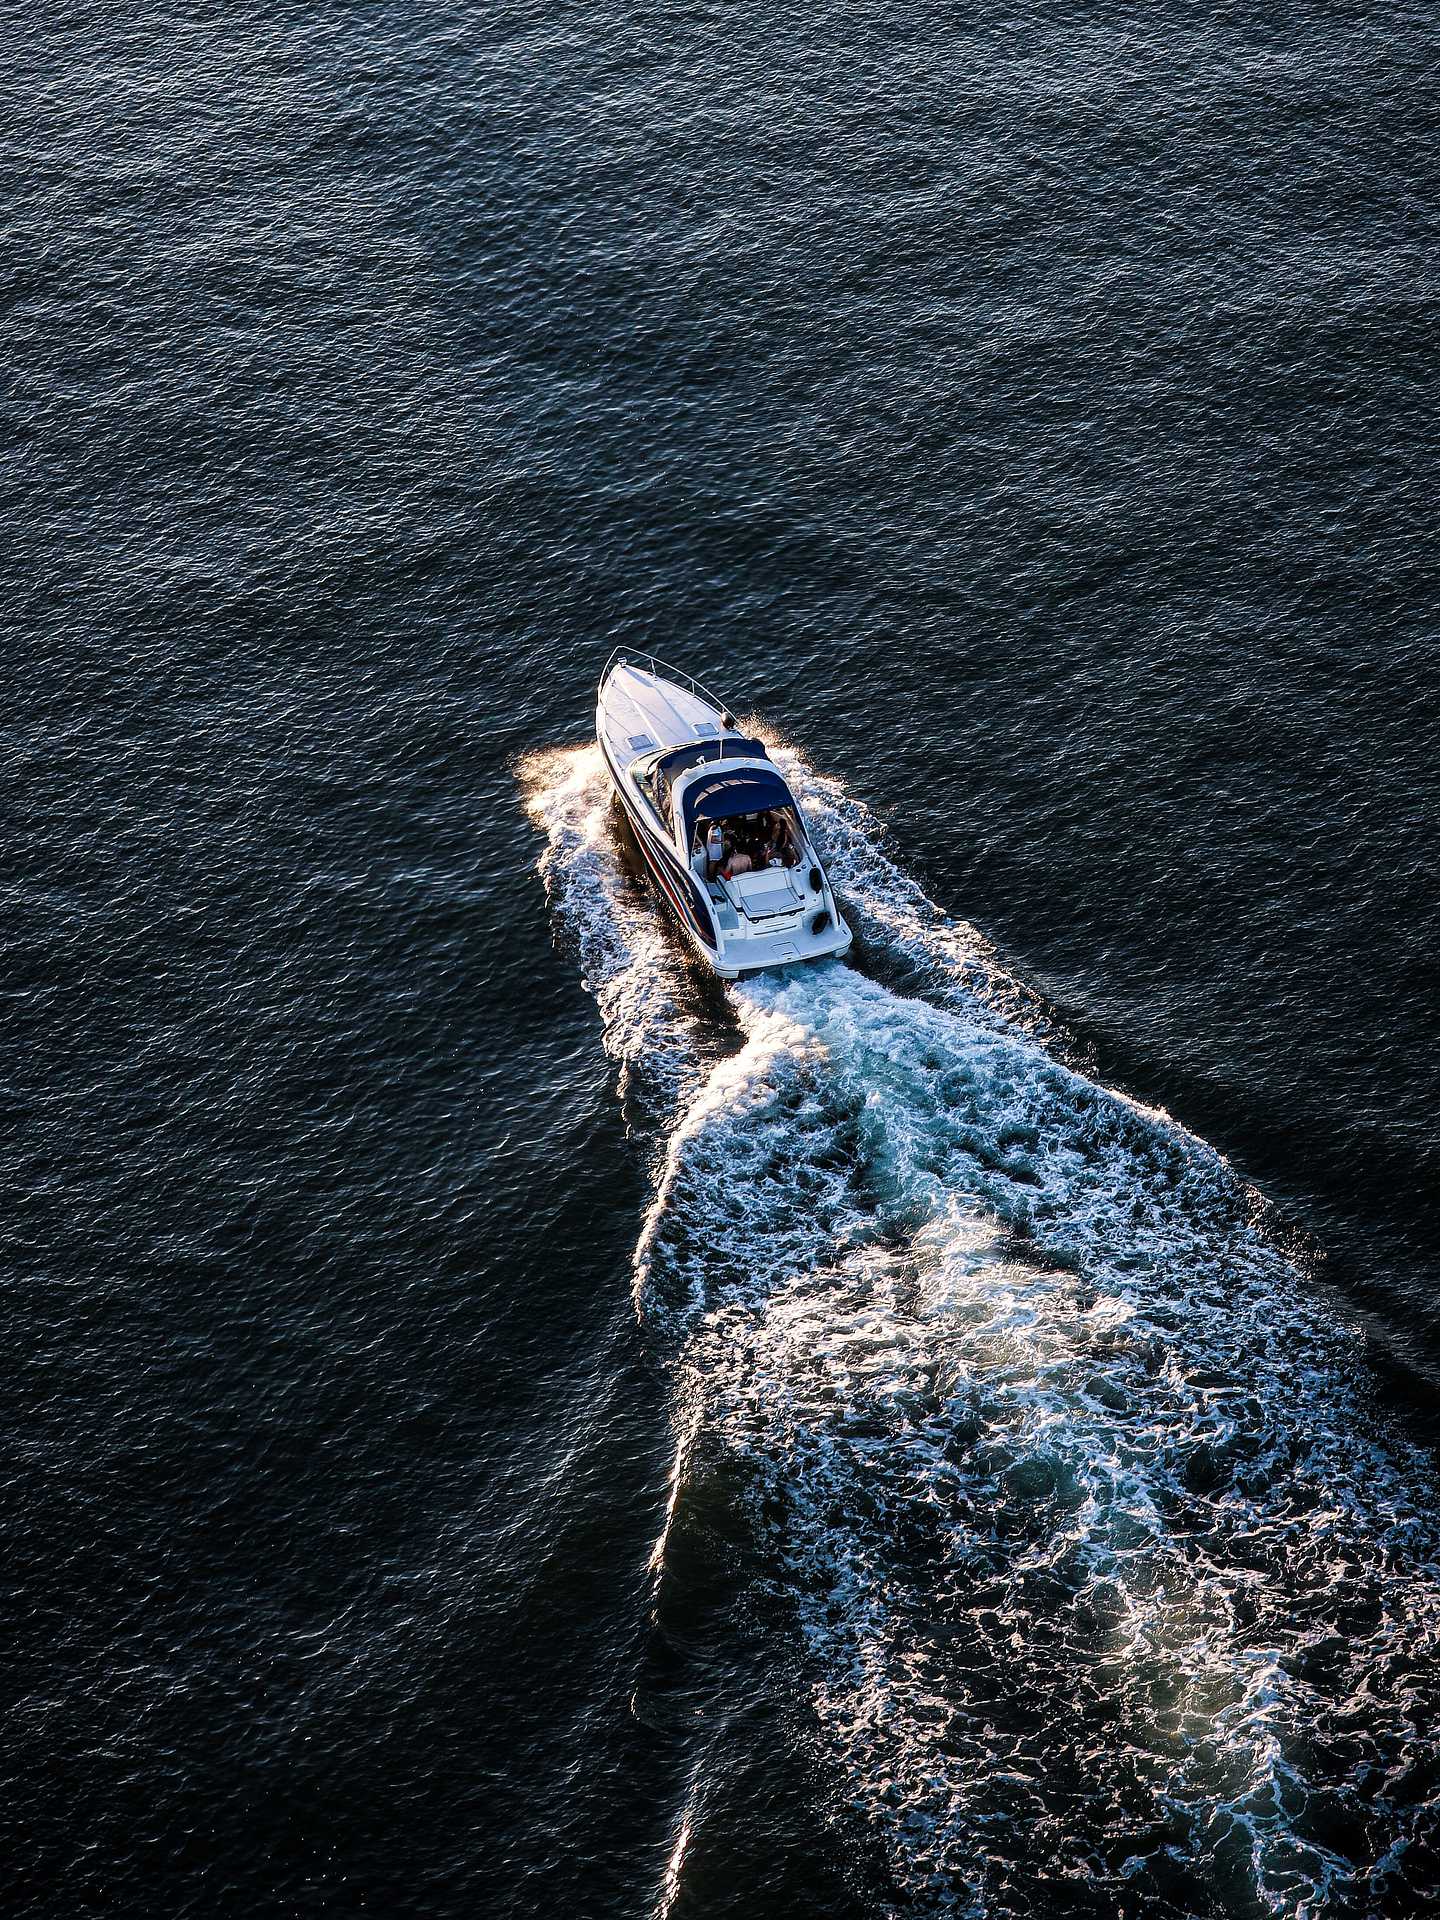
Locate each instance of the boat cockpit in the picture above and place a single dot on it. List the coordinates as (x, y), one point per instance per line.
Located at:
(737, 826)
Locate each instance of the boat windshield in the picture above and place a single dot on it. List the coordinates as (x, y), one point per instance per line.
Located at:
(678, 760)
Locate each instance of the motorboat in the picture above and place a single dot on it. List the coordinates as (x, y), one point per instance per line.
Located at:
(716, 822)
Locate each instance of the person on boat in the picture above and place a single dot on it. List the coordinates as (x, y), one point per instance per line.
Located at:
(779, 847)
(739, 862)
(714, 850)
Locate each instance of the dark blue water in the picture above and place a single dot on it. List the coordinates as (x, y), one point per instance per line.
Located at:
(421, 1496)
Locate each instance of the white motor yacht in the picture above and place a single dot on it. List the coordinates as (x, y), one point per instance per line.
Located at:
(719, 828)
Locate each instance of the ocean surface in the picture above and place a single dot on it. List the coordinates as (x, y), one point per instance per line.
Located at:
(494, 1424)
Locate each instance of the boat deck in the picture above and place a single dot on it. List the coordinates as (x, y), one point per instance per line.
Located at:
(640, 711)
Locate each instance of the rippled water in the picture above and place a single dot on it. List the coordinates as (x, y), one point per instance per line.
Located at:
(475, 1444)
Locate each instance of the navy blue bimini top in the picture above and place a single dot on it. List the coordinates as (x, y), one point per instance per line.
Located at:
(724, 794)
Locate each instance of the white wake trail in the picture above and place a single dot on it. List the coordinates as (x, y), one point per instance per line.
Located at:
(1092, 1541)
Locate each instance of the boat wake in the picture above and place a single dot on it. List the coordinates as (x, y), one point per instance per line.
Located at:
(1114, 1594)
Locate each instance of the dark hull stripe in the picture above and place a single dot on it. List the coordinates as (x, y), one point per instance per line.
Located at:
(657, 856)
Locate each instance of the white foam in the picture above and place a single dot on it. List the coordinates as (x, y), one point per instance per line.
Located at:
(1089, 1529)
(638, 976)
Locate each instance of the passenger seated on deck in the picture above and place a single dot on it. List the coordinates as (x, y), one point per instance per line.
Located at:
(771, 852)
(739, 862)
(770, 833)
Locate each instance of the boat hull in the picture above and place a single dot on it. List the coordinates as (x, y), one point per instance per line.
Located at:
(730, 959)
(678, 886)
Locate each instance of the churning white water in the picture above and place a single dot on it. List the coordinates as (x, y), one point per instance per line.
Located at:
(1104, 1566)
